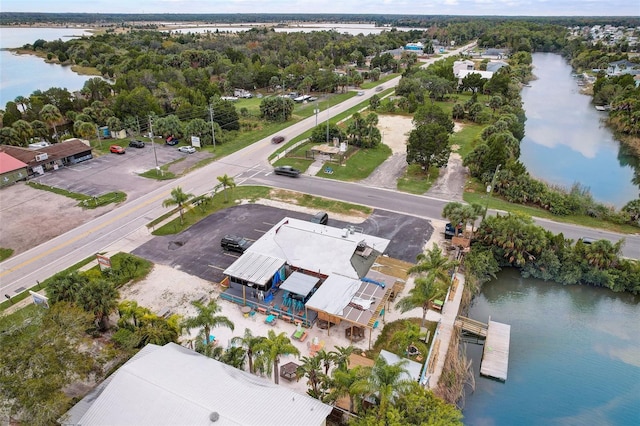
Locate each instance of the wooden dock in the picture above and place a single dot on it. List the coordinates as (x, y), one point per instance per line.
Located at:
(471, 326)
(495, 356)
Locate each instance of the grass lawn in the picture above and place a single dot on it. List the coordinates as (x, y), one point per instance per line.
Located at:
(359, 165)
(85, 201)
(416, 181)
(390, 329)
(5, 253)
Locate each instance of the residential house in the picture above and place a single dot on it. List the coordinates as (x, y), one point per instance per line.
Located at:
(623, 67)
(463, 65)
(173, 385)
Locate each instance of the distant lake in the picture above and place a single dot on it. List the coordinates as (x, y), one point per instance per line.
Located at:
(342, 28)
(21, 75)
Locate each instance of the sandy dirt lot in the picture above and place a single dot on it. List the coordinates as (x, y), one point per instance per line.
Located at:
(29, 217)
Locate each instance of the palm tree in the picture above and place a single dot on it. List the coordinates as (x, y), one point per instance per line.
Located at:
(99, 297)
(24, 131)
(425, 290)
(274, 346)
(410, 336)
(326, 358)
(51, 115)
(249, 342)
(345, 382)
(156, 330)
(386, 382)
(433, 262)
(131, 313)
(65, 287)
(310, 369)
(341, 356)
(226, 181)
(178, 198)
(207, 319)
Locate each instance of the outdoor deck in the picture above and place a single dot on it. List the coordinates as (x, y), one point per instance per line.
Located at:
(495, 356)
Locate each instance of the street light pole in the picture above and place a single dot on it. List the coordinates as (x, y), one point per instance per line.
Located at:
(490, 190)
(153, 144)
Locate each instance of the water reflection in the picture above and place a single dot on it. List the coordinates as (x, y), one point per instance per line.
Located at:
(566, 141)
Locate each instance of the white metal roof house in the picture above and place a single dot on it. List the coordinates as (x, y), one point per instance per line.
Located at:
(172, 385)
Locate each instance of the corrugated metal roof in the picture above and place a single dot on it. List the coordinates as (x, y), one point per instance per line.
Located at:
(255, 267)
(299, 283)
(176, 386)
(334, 294)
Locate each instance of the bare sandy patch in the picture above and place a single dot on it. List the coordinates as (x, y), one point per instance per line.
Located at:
(29, 216)
(395, 131)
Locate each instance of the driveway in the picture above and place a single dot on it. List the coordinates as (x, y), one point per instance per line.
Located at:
(197, 250)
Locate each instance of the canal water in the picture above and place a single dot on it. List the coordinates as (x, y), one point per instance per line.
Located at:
(566, 141)
(574, 356)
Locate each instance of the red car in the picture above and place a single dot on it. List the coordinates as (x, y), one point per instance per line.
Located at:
(277, 139)
(116, 149)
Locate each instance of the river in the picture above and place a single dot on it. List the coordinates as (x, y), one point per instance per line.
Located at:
(574, 356)
(565, 140)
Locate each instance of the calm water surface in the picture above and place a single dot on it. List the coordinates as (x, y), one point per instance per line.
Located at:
(21, 75)
(574, 356)
(565, 140)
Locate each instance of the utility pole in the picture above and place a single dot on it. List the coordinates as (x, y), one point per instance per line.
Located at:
(490, 190)
(316, 110)
(327, 124)
(153, 144)
(213, 134)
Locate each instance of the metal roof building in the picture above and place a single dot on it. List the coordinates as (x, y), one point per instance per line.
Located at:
(172, 385)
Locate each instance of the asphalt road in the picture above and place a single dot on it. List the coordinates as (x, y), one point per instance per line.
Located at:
(247, 166)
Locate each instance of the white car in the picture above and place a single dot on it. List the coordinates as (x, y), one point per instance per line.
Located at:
(187, 149)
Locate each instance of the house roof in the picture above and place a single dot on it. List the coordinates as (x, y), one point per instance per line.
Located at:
(65, 149)
(483, 74)
(413, 368)
(353, 300)
(172, 385)
(9, 164)
(314, 247)
(25, 155)
(54, 152)
(299, 283)
(255, 267)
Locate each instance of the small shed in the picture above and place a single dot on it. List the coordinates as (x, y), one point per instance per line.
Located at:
(300, 284)
(11, 170)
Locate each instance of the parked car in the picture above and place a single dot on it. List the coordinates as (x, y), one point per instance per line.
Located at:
(172, 141)
(134, 143)
(116, 149)
(234, 243)
(450, 231)
(187, 149)
(321, 217)
(286, 171)
(277, 139)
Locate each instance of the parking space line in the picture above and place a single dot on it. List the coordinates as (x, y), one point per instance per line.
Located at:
(216, 267)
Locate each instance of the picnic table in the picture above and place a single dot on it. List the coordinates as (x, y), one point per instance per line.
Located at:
(271, 319)
(288, 370)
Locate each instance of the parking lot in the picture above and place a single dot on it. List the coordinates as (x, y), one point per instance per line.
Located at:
(197, 250)
(117, 172)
